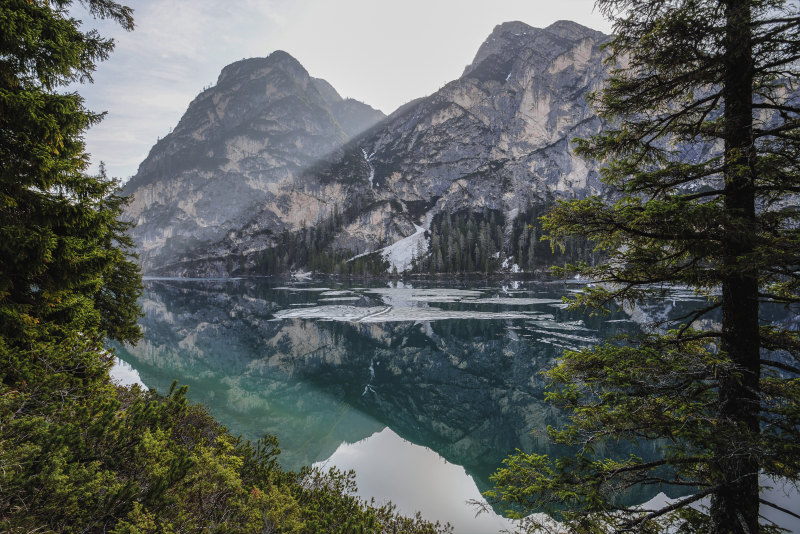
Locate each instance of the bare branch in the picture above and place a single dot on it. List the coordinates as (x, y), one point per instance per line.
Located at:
(779, 508)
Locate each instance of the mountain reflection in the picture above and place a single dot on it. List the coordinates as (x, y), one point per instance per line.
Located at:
(455, 369)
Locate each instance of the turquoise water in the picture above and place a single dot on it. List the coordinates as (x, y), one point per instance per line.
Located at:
(416, 386)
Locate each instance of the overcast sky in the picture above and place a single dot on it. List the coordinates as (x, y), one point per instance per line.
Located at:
(384, 53)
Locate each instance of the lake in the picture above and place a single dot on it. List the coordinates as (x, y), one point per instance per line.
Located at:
(422, 387)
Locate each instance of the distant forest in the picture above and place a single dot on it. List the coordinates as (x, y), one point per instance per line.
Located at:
(464, 242)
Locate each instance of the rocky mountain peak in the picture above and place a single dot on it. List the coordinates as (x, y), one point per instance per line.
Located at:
(259, 66)
(270, 152)
(567, 29)
(509, 41)
(240, 144)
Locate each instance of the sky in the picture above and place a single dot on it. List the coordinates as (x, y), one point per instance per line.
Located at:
(381, 52)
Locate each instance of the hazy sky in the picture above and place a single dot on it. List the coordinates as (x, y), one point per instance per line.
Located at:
(384, 53)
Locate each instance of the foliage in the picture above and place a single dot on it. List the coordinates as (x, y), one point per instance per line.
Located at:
(464, 242)
(531, 253)
(467, 241)
(131, 461)
(64, 259)
(311, 248)
(475, 242)
(702, 153)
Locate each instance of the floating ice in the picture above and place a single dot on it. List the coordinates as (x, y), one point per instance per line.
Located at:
(571, 337)
(407, 296)
(557, 343)
(515, 301)
(387, 314)
(558, 325)
(310, 289)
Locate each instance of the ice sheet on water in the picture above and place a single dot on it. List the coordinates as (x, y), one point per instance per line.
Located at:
(336, 293)
(557, 343)
(338, 299)
(386, 314)
(683, 294)
(309, 289)
(571, 337)
(549, 324)
(331, 313)
(514, 301)
(403, 294)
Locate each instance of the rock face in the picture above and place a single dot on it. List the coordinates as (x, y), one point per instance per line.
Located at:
(238, 148)
(237, 171)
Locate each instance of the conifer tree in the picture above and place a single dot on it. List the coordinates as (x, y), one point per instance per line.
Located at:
(702, 150)
(64, 257)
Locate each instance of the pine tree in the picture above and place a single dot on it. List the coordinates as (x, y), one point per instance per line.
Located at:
(64, 257)
(702, 149)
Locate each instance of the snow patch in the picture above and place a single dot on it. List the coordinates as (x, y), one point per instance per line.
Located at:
(368, 159)
(508, 266)
(401, 254)
(302, 275)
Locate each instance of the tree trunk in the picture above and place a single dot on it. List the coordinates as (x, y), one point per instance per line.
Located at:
(734, 509)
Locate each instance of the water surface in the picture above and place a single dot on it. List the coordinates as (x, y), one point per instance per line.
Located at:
(423, 388)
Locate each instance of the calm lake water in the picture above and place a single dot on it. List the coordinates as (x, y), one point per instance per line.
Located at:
(422, 388)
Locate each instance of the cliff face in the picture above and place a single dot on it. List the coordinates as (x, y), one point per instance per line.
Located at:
(240, 145)
(500, 136)
(270, 150)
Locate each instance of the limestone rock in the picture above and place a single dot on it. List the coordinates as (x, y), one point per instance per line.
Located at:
(270, 149)
(237, 150)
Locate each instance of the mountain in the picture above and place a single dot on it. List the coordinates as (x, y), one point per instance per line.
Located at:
(485, 151)
(239, 146)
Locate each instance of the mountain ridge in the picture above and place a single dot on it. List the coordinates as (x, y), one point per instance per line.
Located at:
(497, 139)
(238, 143)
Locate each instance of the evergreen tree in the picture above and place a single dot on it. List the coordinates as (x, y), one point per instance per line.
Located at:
(64, 258)
(703, 149)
